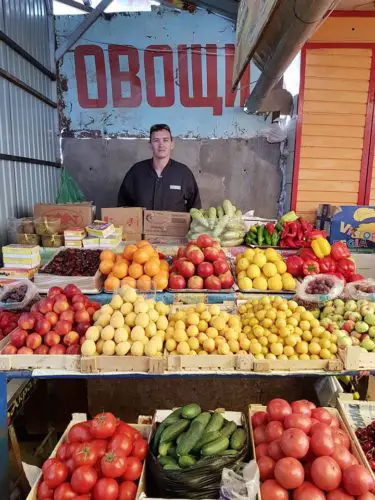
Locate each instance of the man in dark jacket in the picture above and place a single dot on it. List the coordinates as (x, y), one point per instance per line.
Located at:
(160, 183)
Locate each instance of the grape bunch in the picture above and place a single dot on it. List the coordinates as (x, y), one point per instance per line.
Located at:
(320, 286)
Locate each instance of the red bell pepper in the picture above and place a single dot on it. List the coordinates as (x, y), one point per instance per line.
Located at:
(316, 233)
(345, 267)
(305, 225)
(355, 277)
(294, 265)
(310, 267)
(270, 228)
(339, 250)
(308, 254)
(327, 265)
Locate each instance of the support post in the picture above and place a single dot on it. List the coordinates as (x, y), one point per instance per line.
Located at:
(4, 459)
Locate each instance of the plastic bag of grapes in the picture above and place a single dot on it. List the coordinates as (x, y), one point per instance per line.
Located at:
(319, 288)
(19, 296)
(361, 290)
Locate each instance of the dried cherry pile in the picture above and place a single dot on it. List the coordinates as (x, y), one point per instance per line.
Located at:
(366, 438)
(74, 262)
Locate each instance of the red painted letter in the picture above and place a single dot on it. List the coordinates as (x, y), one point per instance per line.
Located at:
(165, 52)
(230, 96)
(118, 76)
(81, 74)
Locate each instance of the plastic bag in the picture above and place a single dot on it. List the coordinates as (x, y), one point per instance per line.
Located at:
(25, 289)
(361, 290)
(317, 282)
(242, 484)
(201, 480)
(69, 192)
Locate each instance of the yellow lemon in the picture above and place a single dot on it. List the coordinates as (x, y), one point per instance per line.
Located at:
(245, 283)
(275, 283)
(271, 255)
(281, 266)
(260, 259)
(253, 271)
(243, 264)
(249, 254)
(269, 270)
(260, 283)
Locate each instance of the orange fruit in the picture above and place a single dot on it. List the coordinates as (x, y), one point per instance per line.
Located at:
(106, 266)
(160, 280)
(152, 267)
(120, 270)
(144, 283)
(128, 251)
(128, 280)
(140, 256)
(135, 270)
(142, 243)
(164, 266)
(150, 250)
(108, 255)
(111, 283)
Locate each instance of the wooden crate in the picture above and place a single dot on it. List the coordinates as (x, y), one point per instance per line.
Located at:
(297, 365)
(211, 362)
(144, 429)
(357, 358)
(105, 364)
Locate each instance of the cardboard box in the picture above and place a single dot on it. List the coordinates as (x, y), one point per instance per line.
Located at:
(165, 240)
(353, 224)
(71, 214)
(166, 223)
(131, 219)
(132, 237)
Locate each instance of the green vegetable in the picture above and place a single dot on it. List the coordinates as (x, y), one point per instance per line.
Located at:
(219, 212)
(228, 429)
(251, 238)
(181, 436)
(191, 438)
(215, 447)
(156, 439)
(203, 418)
(167, 461)
(238, 439)
(215, 424)
(267, 236)
(289, 217)
(212, 217)
(260, 235)
(220, 226)
(171, 467)
(206, 438)
(275, 238)
(232, 243)
(186, 461)
(229, 452)
(231, 235)
(173, 417)
(191, 411)
(174, 430)
(164, 448)
(228, 208)
(198, 215)
(172, 451)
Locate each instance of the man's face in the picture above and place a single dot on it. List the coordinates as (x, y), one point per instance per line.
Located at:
(161, 144)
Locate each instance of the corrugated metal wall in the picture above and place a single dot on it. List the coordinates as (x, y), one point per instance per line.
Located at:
(28, 125)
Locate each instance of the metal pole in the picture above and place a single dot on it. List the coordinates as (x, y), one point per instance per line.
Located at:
(4, 458)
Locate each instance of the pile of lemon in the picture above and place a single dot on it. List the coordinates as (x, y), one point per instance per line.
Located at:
(258, 269)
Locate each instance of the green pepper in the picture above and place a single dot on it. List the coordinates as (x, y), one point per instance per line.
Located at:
(260, 235)
(267, 237)
(275, 239)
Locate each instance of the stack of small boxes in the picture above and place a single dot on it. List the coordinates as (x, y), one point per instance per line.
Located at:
(103, 235)
(73, 237)
(20, 261)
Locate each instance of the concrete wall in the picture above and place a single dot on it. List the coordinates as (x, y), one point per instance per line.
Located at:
(246, 171)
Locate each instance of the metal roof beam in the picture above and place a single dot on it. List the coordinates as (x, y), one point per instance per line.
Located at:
(81, 29)
(76, 5)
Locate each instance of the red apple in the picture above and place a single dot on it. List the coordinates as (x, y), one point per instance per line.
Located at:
(204, 240)
(91, 310)
(67, 315)
(82, 317)
(63, 327)
(26, 321)
(212, 283)
(71, 290)
(71, 338)
(79, 297)
(60, 306)
(25, 350)
(226, 280)
(55, 290)
(81, 328)
(196, 256)
(9, 349)
(51, 338)
(52, 318)
(43, 349)
(45, 306)
(60, 296)
(192, 245)
(57, 349)
(211, 254)
(348, 326)
(216, 244)
(79, 306)
(195, 283)
(34, 308)
(222, 254)
(187, 269)
(205, 269)
(177, 282)
(34, 340)
(18, 337)
(181, 252)
(220, 266)
(96, 305)
(42, 326)
(74, 349)
(37, 316)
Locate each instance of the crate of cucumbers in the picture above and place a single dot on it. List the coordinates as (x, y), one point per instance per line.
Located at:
(189, 449)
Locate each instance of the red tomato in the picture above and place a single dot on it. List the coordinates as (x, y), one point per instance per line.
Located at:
(62, 452)
(259, 418)
(326, 473)
(340, 438)
(133, 469)
(83, 497)
(270, 490)
(44, 491)
(366, 496)
(357, 480)
(123, 428)
(140, 449)
(321, 428)
(278, 409)
(122, 442)
(83, 479)
(339, 494)
(294, 443)
(321, 444)
(105, 489)
(275, 451)
(274, 430)
(128, 491)
(301, 407)
(297, 421)
(79, 433)
(308, 492)
(103, 425)
(259, 434)
(113, 464)
(64, 492)
(70, 463)
(322, 415)
(101, 447)
(335, 423)
(261, 450)
(55, 474)
(71, 449)
(289, 473)
(266, 467)
(85, 454)
(48, 463)
(342, 456)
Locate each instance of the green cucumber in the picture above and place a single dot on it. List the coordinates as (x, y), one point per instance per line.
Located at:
(167, 460)
(164, 447)
(216, 423)
(191, 438)
(215, 447)
(206, 438)
(172, 467)
(190, 411)
(186, 461)
(181, 436)
(228, 452)
(156, 438)
(238, 439)
(174, 430)
(173, 417)
(204, 418)
(172, 451)
(228, 429)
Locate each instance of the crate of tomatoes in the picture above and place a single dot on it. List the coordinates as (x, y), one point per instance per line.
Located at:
(102, 458)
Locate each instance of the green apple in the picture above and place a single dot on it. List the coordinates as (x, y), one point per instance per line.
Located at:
(371, 331)
(368, 344)
(351, 305)
(344, 341)
(361, 327)
(338, 303)
(370, 319)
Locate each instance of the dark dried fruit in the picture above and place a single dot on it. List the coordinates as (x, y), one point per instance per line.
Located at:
(74, 262)
(15, 295)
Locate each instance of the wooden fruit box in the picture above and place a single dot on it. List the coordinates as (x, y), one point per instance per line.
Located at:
(105, 364)
(297, 365)
(144, 429)
(68, 362)
(354, 447)
(357, 358)
(356, 414)
(211, 362)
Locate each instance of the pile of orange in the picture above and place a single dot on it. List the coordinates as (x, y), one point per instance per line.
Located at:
(138, 266)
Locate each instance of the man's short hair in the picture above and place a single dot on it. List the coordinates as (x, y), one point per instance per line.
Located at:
(160, 126)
